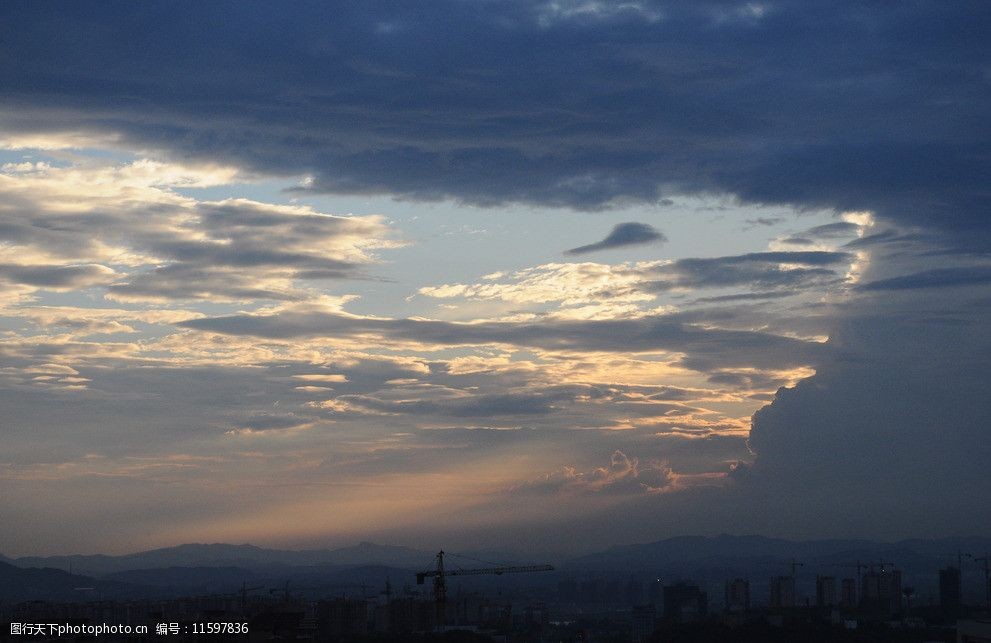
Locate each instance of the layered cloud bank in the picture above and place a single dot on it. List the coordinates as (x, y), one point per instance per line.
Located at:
(191, 328)
(563, 103)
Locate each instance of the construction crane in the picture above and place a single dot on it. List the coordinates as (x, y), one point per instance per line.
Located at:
(243, 592)
(284, 590)
(791, 563)
(439, 573)
(858, 565)
(862, 567)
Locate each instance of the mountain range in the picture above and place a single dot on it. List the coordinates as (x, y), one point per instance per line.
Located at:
(196, 569)
(225, 555)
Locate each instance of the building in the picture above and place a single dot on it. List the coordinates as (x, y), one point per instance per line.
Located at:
(826, 591)
(470, 607)
(634, 592)
(974, 631)
(848, 593)
(655, 592)
(342, 617)
(592, 591)
(782, 592)
(279, 625)
(613, 592)
(881, 592)
(535, 615)
(737, 596)
(408, 614)
(950, 589)
(685, 603)
(567, 590)
(644, 622)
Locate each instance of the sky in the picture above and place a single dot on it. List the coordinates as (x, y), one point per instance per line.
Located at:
(546, 276)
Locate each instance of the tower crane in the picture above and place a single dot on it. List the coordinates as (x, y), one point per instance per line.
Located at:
(243, 592)
(857, 565)
(439, 574)
(861, 567)
(793, 564)
(284, 590)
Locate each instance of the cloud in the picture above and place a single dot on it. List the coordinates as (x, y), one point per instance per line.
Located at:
(269, 424)
(488, 103)
(935, 278)
(765, 221)
(480, 406)
(882, 429)
(623, 476)
(706, 347)
(623, 234)
(896, 412)
(746, 296)
(826, 232)
(758, 269)
(123, 226)
(229, 427)
(455, 401)
(570, 284)
(594, 290)
(56, 277)
(582, 105)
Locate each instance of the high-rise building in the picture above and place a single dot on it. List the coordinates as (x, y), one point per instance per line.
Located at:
(949, 588)
(782, 592)
(684, 602)
(737, 596)
(826, 591)
(848, 593)
(974, 631)
(881, 591)
(613, 591)
(634, 592)
(592, 590)
(567, 590)
(655, 592)
(536, 614)
(644, 621)
(343, 617)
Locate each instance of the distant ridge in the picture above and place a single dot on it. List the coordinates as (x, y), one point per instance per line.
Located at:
(676, 551)
(226, 555)
(19, 584)
(689, 551)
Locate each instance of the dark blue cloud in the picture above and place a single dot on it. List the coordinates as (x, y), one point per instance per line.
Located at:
(622, 234)
(758, 269)
(839, 104)
(896, 418)
(936, 278)
(837, 230)
(47, 276)
(765, 221)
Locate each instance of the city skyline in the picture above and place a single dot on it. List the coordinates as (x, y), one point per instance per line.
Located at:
(554, 276)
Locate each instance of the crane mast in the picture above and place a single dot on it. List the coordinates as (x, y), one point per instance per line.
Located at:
(440, 586)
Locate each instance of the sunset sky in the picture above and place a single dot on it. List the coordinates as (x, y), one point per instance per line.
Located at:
(536, 275)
